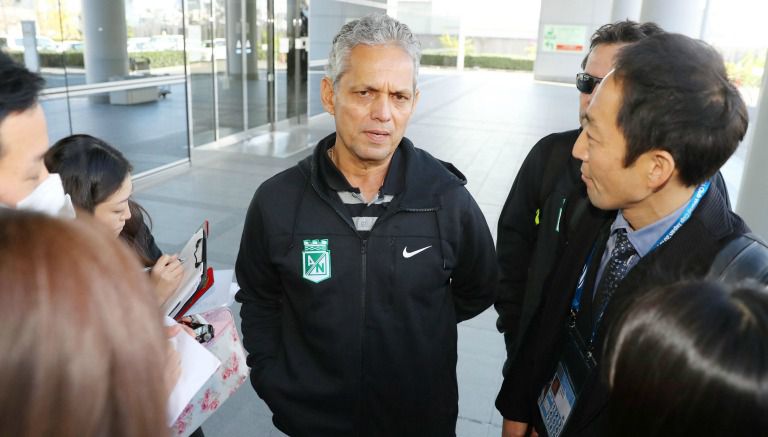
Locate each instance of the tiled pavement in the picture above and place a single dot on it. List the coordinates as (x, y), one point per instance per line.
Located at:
(483, 122)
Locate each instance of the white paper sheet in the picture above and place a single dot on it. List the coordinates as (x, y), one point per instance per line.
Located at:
(197, 365)
(191, 253)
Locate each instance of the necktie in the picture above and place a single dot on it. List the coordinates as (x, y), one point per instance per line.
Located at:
(615, 270)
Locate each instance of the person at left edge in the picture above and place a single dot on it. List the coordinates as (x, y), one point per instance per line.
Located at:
(24, 181)
(356, 264)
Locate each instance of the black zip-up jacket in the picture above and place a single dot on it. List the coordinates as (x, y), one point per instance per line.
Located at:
(529, 240)
(688, 255)
(371, 350)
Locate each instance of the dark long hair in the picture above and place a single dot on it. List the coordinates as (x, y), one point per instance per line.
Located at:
(690, 359)
(91, 170)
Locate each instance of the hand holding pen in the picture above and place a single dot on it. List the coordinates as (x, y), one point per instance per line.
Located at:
(166, 276)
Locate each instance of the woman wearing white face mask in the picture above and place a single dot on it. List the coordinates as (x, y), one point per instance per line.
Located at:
(97, 177)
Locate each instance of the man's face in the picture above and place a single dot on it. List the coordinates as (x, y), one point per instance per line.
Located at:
(599, 63)
(372, 102)
(601, 147)
(23, 142)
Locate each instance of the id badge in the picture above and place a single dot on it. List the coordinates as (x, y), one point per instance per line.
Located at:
(556, 401)
(559, 396)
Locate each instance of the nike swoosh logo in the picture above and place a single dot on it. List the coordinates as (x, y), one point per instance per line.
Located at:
(407, 254)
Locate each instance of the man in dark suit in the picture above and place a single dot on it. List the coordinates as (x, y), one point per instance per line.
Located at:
(528, 231)
(658, 128)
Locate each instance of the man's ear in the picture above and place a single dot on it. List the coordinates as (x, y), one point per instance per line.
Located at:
(327, 95)
(662, 168)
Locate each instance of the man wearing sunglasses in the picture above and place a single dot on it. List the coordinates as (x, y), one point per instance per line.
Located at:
(528, 230)
(655, 133)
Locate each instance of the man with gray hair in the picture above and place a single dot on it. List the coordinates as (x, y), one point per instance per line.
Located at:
(356, 264)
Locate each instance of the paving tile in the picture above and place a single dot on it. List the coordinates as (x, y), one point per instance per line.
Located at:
(494, 431)
(470, 428)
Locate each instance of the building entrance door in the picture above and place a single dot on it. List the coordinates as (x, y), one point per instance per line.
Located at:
(247, 66)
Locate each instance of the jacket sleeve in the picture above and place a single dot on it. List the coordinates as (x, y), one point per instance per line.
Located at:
(516, 398)
(260, 292)
(516, 239)
(153, 251)
(473, 283)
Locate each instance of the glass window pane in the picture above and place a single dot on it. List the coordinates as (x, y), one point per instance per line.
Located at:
(150, 134)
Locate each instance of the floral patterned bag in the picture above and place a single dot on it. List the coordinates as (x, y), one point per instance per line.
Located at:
(228, 348)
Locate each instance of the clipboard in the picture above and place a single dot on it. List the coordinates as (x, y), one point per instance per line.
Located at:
(197, 277)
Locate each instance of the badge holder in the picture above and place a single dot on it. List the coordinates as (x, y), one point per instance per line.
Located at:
(559, 395)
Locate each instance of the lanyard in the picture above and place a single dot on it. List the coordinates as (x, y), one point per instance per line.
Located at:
(701, 190)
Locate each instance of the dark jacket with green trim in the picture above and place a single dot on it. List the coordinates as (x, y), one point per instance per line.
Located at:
(530, 232)
(688, 255)
(371, 350)
(529, 239)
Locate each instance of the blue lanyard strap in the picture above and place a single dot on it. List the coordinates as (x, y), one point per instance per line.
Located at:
(701, 190)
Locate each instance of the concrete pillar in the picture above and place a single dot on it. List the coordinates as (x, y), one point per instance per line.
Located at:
(752, 205)
(462, 44)
(31, 57)
(233, 25)
(686, 17)
(252, 40)
(106, 40)
(564, 30)
(392, 8)
(626, 10)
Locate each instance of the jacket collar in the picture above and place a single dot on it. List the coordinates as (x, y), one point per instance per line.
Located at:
(424, 178)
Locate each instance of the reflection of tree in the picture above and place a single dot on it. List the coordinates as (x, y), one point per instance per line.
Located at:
(747, 68)
(56, 24)
(450, 44)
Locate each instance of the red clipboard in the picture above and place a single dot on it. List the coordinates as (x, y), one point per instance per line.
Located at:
(200, 292)
(198, 277)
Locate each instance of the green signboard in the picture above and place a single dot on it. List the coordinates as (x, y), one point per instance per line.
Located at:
(564, 38)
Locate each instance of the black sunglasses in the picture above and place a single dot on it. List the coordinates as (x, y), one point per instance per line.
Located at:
(586, 83)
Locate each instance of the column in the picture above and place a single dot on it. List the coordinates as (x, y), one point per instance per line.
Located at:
(564, 30)
(626, 10)
(106, 40)
(392, 8)
(686, 17)
(462, 40)
(752, 205)
(233, 25)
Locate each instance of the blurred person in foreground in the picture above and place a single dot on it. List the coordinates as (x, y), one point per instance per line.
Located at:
(84, 353)
(690, 359)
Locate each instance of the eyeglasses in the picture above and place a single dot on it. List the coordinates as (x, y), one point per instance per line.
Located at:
(586, 83)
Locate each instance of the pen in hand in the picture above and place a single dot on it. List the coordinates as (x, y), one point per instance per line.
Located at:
(149, 268)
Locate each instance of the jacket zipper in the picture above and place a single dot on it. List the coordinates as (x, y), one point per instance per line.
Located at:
(419, 210)
(364, 259)
(364, 255)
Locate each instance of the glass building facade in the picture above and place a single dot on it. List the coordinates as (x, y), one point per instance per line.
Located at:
(161, 78)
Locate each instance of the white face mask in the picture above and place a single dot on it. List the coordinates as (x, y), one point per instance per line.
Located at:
(49, 198)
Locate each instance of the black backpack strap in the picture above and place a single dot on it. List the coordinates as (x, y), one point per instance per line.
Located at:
(744, 257)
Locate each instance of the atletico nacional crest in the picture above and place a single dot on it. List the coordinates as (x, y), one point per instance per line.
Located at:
(316, 260)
